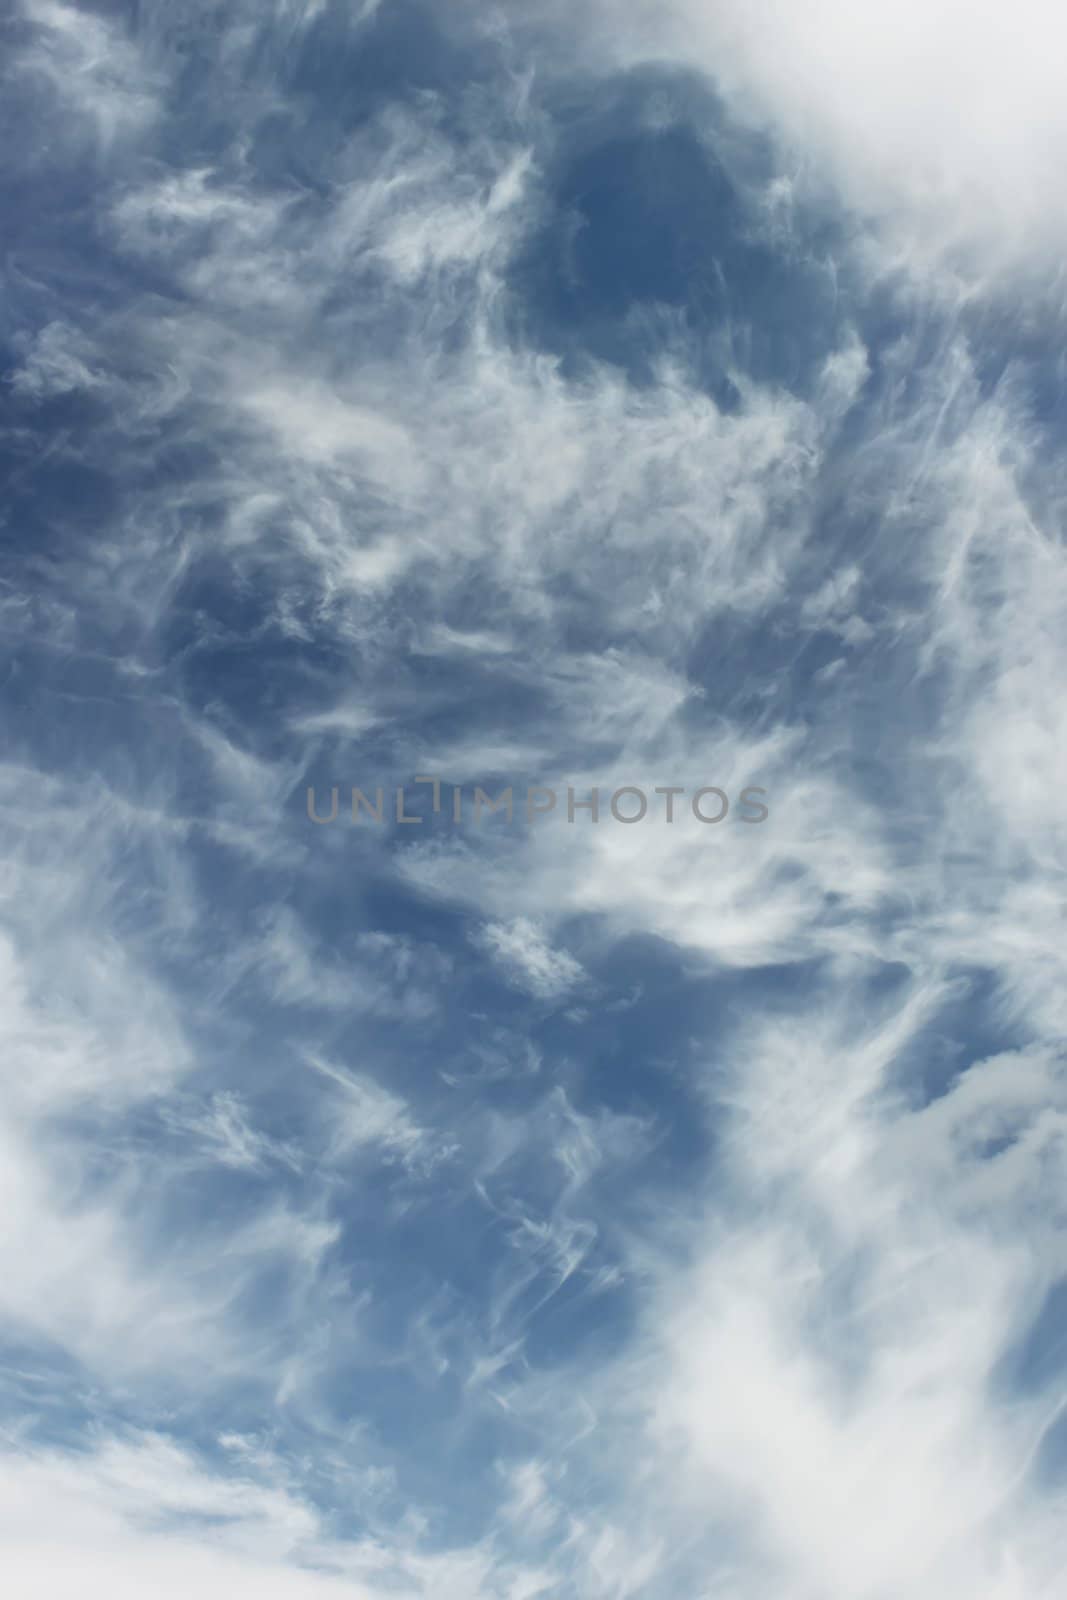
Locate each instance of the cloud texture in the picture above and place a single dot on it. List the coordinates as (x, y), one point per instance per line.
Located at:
(479, 1208)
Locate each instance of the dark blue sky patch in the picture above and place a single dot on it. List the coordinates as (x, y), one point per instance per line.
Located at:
(641, 218)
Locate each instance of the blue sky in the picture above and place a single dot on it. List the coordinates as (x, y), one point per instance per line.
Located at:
(561, 397)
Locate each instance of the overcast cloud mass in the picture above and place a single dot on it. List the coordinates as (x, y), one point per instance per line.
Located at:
(562, 398)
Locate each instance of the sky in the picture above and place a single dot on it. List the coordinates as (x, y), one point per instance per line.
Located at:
(473, 399)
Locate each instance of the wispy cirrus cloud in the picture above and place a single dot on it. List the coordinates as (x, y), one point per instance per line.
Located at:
(523, 398)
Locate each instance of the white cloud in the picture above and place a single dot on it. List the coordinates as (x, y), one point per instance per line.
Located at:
(530, 963)
(367, 1116)
(138, 1513)
(55, 363)
(943, 118)
(744, 895)
(92, 69)
(829, 1363)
